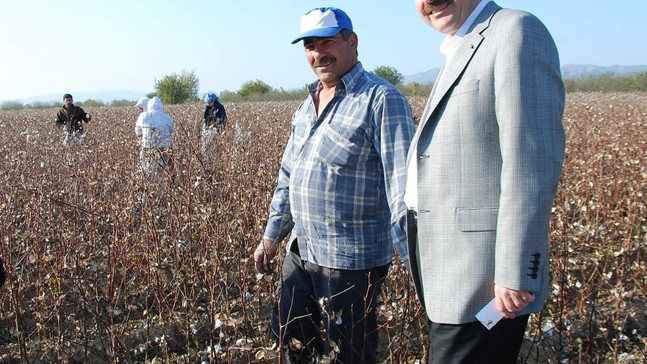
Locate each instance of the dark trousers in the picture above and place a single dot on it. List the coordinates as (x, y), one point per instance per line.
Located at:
(473, 343)
(320, 311)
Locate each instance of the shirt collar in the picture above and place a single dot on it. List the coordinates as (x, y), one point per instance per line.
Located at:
(348, 81)
(451, 42)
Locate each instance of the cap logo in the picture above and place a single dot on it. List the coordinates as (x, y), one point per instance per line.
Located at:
(317, 20)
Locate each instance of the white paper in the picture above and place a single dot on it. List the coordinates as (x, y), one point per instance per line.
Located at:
(489, 315)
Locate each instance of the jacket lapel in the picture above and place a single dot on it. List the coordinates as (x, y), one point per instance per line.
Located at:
(447, 77)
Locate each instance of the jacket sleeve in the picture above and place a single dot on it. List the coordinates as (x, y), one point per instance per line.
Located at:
(529, 107)
(82, 115)
(139, 123)
(205, 117)
(61, 118)
(222, 114)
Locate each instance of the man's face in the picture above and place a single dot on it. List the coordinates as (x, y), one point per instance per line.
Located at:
(331, 58)
(446, 16)
(68, 101)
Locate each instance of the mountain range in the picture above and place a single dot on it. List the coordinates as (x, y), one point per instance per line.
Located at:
(571, 71)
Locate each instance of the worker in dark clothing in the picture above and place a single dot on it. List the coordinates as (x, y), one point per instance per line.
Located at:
(71, 119)
(215, 118)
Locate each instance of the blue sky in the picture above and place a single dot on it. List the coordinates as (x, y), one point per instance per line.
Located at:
(54, 47)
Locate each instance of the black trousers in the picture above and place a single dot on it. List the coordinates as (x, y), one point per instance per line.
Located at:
(473, 343)
(320, 311)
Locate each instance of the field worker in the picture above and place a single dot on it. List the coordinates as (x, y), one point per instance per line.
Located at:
(483, 171)
(142, 105)
(215, 118)
(71, 118)
(156, 129)
(340, 197)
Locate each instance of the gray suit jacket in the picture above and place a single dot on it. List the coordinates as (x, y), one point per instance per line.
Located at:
(490, 149)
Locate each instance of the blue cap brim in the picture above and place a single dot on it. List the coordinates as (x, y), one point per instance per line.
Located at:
(320, 33)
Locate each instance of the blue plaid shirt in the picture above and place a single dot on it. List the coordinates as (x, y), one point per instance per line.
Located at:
(342, 178)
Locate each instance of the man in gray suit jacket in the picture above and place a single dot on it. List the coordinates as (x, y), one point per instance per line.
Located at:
(483, 170)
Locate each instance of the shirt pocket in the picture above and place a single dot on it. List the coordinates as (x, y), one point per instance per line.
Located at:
(342, 145)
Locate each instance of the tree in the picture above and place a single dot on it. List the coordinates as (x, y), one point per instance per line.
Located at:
(122, 102)
(254, 87)
(44, 104)
(415, 89)
(92, 103)
(640, 82)
(176, 89)
(390, 74)
(11, 105)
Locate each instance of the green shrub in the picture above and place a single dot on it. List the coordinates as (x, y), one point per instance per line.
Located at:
(176, 89)
(390, 74)
(122, 102)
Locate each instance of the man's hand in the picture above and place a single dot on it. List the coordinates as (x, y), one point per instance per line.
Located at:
(263, 255)
(508, 301)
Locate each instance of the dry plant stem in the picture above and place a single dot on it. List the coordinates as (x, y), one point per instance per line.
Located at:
(95, 275)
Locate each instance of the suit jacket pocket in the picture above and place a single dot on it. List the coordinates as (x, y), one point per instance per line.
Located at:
(466, 86)
(477, 219)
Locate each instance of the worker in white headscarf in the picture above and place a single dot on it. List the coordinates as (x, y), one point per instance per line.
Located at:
(142, 105)
(156, 129)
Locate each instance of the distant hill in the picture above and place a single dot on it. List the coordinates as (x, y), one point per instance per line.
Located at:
(103, 96)
(569, 71)
(422, 77)
(572, 71)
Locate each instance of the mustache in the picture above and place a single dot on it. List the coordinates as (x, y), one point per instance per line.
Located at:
(429, 8)
(324, 60)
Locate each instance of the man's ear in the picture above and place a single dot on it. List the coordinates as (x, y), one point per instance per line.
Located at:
(353, 41)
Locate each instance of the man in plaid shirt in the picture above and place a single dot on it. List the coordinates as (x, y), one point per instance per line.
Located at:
(340, 196)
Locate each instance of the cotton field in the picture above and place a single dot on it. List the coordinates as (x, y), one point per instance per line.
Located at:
(105, 267)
